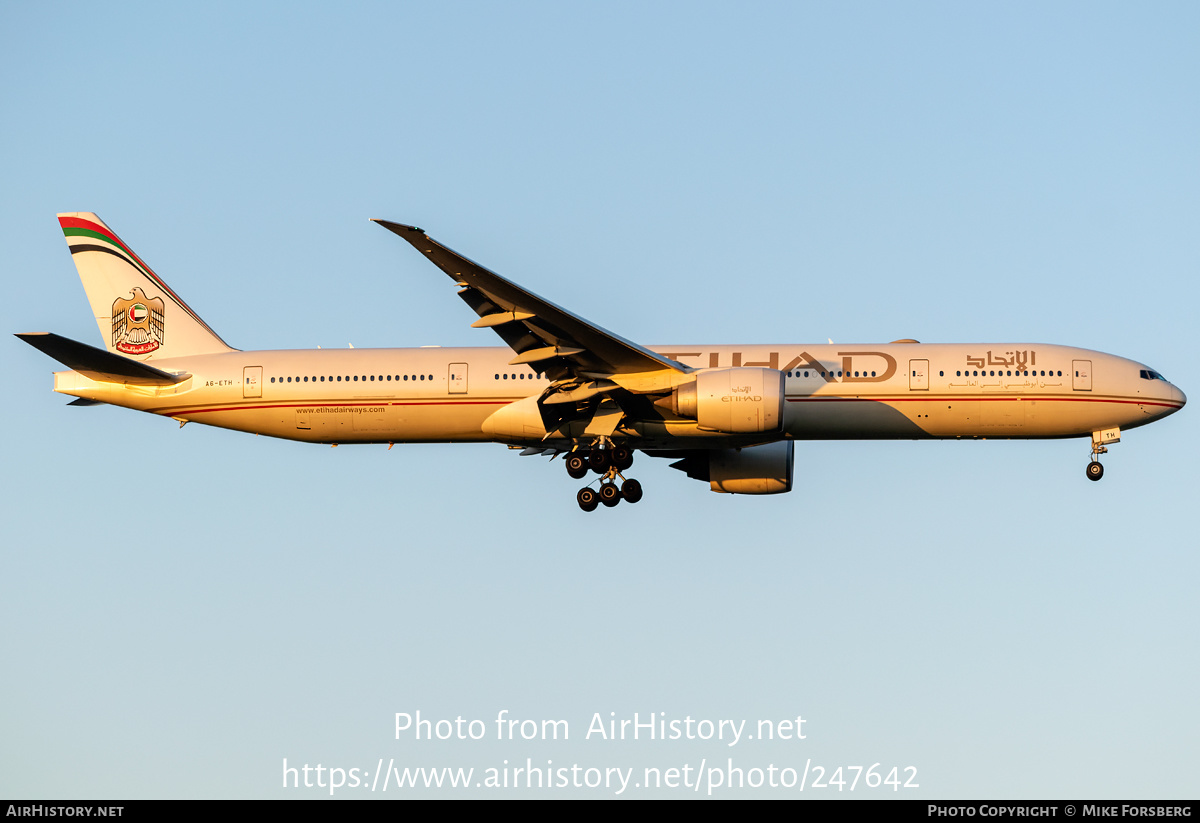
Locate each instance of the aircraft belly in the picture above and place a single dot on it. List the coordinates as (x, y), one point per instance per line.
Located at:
(901, 418)
(1002, 416)
(861, 418)
(440, 422)
(848, 419)
(1073, 416)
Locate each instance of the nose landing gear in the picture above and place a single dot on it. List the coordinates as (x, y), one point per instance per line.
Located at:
(1099, 438)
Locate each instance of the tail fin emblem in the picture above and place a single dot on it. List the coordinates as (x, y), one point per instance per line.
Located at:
(137, 323)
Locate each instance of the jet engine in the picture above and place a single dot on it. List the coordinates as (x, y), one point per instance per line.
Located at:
(735, 401)
(765, 469)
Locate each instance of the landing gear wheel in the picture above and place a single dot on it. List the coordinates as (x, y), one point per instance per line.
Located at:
(622, 458)
(587, 499)
(598, 460)
(631, 490)
(610, 495)
(577, 465)
(1094, 470)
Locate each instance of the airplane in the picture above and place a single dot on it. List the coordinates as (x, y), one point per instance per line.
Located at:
(727, 415)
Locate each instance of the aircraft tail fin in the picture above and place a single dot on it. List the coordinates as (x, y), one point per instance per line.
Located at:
(138, 314)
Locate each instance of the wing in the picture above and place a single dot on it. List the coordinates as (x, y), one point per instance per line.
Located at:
(561, 343)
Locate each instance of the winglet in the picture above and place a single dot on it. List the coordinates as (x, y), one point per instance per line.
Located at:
(398, 228)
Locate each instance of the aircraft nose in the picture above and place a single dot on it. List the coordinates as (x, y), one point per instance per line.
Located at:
(1179, 396)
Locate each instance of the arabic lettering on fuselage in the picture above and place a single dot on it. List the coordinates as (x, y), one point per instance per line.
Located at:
(1019, 360)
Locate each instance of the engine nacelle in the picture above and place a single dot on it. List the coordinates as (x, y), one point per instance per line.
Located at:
(765, 469)
(736, 401)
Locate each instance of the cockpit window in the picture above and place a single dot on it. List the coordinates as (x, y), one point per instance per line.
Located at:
(1147, 374)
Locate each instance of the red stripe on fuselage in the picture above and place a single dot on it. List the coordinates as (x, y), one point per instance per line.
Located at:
(259, 406)
(964, 397)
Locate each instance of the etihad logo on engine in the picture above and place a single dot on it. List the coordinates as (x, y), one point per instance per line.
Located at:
(137, 323)
(741, 394)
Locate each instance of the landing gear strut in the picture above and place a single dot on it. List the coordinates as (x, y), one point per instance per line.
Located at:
(1094, 470)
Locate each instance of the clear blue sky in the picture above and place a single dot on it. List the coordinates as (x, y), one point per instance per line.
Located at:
(183, 609)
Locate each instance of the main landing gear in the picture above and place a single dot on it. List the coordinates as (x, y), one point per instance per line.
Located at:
(609, 463)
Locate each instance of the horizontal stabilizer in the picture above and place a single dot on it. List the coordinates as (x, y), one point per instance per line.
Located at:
(83, 401)
(97, 363)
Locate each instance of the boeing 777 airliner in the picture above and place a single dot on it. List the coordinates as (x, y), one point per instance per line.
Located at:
(728, 415)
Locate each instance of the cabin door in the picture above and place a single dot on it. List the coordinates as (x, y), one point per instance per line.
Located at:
(1081, 375)
(457, 378)
(918, 374)
(252, 381)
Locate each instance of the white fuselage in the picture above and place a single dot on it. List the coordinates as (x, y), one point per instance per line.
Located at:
(870, 391)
